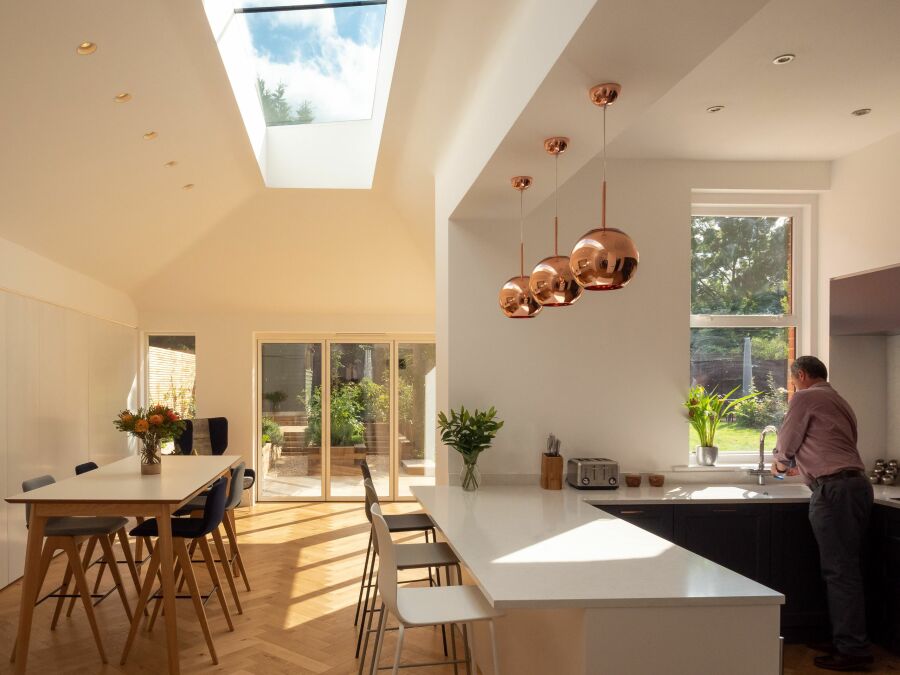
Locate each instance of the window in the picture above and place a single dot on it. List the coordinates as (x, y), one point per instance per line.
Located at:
(172, 372)
(743, 317)
(316, 64)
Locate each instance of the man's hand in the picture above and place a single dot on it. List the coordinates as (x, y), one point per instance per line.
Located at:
(779, 469)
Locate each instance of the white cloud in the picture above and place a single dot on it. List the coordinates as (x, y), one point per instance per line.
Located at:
(340, 82)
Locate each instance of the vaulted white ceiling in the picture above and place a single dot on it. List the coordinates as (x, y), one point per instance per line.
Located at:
(79, 185)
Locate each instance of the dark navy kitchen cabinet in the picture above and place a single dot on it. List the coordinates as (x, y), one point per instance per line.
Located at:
(656, 518)
(737, 536)
(882, 565)
(795, 572)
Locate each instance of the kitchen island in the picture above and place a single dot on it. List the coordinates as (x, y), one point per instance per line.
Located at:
(586, 592)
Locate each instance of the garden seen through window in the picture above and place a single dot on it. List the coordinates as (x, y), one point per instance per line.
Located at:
(172, 371)
(743, 330)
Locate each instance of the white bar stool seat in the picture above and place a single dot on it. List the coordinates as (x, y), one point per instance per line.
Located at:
(432, 606)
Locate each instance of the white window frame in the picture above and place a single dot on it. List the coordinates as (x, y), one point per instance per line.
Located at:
(802, 211)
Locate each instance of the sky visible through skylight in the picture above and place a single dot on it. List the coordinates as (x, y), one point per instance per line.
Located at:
(316, 65)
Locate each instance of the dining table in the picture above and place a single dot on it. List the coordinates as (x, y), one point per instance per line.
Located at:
(118, 489)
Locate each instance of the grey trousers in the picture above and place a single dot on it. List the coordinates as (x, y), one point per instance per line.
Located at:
(839, 513)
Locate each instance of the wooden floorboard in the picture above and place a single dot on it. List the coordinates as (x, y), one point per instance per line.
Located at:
(304, 562)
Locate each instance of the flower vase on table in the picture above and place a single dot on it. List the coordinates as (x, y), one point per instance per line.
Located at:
(470, 434)
(151, 427)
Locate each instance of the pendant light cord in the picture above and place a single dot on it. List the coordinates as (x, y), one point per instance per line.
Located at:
(521, 233)
(556, 207)
(603, 200)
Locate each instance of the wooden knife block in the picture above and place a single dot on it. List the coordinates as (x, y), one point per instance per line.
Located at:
(551, 472)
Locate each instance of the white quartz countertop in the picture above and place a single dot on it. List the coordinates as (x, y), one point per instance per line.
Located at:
(773, 491)
(527, 547)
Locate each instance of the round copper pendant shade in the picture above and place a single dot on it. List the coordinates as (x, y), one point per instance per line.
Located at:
(552, 283)
(604, 260)
(516, 300)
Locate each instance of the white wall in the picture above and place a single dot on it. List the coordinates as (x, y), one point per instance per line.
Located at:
(64, 374)
(892, 412)
(609, 374)
(226, 355)
(859, 372)
(858, 232)
(858, 225)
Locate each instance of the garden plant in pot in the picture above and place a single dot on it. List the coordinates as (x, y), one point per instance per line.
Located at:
(705, 409)
(152, 426)
(470, 434)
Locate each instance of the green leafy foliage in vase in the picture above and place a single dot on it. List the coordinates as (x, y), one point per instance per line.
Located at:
(705, 410)
(469, 433)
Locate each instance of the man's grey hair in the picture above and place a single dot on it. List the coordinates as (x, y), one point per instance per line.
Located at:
(811, 366)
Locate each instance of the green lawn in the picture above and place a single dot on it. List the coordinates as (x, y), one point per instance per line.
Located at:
(731, 438)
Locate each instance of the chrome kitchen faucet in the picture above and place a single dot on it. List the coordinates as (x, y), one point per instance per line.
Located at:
(760, 472)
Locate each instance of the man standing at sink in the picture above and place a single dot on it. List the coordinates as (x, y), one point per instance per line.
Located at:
(818, 436)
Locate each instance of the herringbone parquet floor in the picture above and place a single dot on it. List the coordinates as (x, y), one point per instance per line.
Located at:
(304, 562)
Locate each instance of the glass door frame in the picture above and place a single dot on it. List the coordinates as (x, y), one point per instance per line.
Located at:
(325, 340)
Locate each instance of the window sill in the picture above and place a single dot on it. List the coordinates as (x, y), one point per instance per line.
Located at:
(734, 465)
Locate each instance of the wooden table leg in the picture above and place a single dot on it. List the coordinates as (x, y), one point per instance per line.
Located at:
(29, 586)
(166, 569)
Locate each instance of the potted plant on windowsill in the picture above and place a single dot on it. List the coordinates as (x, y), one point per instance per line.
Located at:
(470, 434)
(704, 412)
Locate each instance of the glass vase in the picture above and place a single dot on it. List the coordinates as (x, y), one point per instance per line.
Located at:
(470, 477)
(151, 461)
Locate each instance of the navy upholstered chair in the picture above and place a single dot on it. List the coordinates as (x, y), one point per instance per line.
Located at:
(184, 529)
(203, 436)
(232, 563)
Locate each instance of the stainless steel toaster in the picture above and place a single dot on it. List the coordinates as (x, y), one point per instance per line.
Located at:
(592, 473)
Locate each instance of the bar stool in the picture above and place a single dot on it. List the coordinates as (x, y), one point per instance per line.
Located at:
(406, 522)
(122, 534)
(415, 607)
(183, 529)
(194, 508)
(68, 533)
(430, 555)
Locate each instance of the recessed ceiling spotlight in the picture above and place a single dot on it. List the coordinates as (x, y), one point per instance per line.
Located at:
(861, 111)
(784, 58)
(189, 186)
(150, 135)
(715, 108)
(86, 48)
(124, 97)
(170, 164)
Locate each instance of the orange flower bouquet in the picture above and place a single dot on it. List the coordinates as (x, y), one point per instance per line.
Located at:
(152, 426)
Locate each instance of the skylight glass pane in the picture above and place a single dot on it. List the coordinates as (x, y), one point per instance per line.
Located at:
(315, 65)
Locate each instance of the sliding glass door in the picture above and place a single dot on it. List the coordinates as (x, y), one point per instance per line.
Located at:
(325, 406)
(290, 458)
(360, 416)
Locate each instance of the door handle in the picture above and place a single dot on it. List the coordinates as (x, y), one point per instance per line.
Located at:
(724, 510)
(635, 512)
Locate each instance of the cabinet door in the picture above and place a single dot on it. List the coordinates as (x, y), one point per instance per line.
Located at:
(655, 518)
(889, 587)
(734, 535)
(795, 572)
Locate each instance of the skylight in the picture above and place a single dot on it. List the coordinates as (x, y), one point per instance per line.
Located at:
(311, 80)
(314, 62)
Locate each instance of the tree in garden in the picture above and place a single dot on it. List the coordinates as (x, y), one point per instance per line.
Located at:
(277, 109)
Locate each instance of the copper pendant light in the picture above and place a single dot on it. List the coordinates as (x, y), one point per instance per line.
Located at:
(552, 283)
(605, 258)
(515, 297)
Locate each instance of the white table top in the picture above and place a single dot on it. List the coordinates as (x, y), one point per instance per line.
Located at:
(122, 483)
(534, 548)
